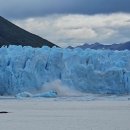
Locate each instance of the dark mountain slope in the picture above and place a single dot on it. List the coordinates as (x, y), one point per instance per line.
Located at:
(10, 34)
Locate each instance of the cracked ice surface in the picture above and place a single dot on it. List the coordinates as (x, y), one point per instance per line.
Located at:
(90, 71)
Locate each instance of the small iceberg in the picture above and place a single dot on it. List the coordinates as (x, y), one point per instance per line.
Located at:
(23, 95)
(49, 94)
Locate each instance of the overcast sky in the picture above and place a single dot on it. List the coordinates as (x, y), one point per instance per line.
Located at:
(71, 22)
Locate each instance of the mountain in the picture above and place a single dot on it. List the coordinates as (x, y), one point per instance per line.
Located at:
(10, 34)
(92, 46)
(121, 46)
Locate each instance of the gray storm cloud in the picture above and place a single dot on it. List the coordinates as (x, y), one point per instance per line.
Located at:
(32, 8)
(65, 30)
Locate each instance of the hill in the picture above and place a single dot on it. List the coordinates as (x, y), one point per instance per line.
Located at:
(10, 34)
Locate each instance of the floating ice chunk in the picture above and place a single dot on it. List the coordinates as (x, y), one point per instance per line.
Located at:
(23, 95)
(49, 94)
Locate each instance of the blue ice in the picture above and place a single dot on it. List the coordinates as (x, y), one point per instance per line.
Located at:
(88, 71)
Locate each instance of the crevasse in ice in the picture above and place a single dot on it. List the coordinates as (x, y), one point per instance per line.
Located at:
(90, 71)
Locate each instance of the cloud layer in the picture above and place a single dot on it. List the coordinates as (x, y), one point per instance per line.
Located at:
(76, 29)
(32, 8)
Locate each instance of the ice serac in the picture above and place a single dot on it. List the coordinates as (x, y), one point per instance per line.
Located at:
(90, 71)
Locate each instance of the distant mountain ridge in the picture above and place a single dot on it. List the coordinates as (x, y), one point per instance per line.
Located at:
(121, 46)
(10, 34)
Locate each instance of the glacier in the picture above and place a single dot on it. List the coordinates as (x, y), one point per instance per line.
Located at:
(27, 69)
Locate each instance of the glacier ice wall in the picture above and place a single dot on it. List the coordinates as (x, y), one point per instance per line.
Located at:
(91, 71)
